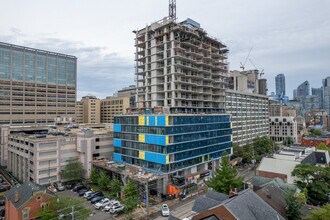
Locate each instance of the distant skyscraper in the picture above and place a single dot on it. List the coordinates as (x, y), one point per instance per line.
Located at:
(294, 93)
(303, 90)
(318, 92)
(326, 94)
(280, 84)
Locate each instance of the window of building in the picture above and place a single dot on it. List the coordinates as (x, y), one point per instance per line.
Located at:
(25, 213)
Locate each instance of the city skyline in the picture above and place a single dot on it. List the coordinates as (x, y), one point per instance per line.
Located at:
(276, 39)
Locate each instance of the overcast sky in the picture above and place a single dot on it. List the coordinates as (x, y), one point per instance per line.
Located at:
(287, 36)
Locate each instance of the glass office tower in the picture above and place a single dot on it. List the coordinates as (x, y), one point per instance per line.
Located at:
(170, 143)
(36, 86)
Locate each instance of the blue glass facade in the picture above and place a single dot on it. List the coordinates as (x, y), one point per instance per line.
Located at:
(22, 64)
(168, 143)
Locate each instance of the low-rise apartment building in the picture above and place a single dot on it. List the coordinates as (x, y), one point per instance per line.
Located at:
(40, 156)
(283, 127)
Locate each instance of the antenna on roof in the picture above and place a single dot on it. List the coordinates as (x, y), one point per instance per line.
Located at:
(172, 9)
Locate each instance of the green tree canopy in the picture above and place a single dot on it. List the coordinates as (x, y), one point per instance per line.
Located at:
(73, 171)
(94, 175)
(115, 186)
(262, 146)
(323, 146)
(288, 141)
(225, 177)
(315, 132)
(294, 202)
(64, 205)
(320, 214)
(131, 196)
(103, 180)
(245, 152)
(315, 179)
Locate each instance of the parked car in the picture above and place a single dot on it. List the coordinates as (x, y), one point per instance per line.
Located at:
(87, 194)
(79, 187)
(96, 199)
(59, 186)
(69, 186)
(165, 210)
(110, 205)
(2, 202)
(116, 208)
(102, 203)
(82, 191)
(94, 194)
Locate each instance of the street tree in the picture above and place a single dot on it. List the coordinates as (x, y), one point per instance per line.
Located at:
(131, 197)
(115, 186)
(322, 213)
(103, 180)
(245, 152)
(315, 179)
(73, 171)
(225, 177)
(288, 141)
(262, 146)
(94, 175)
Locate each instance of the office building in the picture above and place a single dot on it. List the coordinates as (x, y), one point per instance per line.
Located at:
(35, 85)
(282, 127)
(130, 92)
(249, 115)
(280, 84)
(175, 144)
(311, 102)
(326, 94)
(294, 93)
(38, 154)
(319, 93)
(247, 81)
(179, 66)
(90, 108)
(112, 106)
(303, 90)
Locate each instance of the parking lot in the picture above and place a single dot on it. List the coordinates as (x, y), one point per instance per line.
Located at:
(96, 214)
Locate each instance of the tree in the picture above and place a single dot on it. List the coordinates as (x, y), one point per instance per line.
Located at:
(323, 146)
(225, 177)
(131, 196)
(103, 180)
(315, 179)
(73, 171)
(316, 132)
(294, 202)
(320, 214)
(115, 186)
(262, 146)
(245, 152)
(288, 141)
(94, 175)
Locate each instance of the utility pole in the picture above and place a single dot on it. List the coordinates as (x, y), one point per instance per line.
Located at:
(49, 172)
(147, 198)
(72, 212)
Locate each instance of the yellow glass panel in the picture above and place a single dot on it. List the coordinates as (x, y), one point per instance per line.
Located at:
(142, 155)
(167, 139)
(141, 138)
(167, 159)
(141, 120)
(166, 121)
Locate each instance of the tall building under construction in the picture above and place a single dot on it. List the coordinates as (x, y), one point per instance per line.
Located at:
(181, 67)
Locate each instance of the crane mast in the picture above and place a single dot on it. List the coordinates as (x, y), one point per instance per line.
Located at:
(172, 9)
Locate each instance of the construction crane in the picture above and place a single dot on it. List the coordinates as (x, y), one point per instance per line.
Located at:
(261, 71)
(243, 64)
(172, 9)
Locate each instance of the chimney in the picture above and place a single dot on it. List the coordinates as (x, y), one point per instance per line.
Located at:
(232, 193)
(16, 198)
